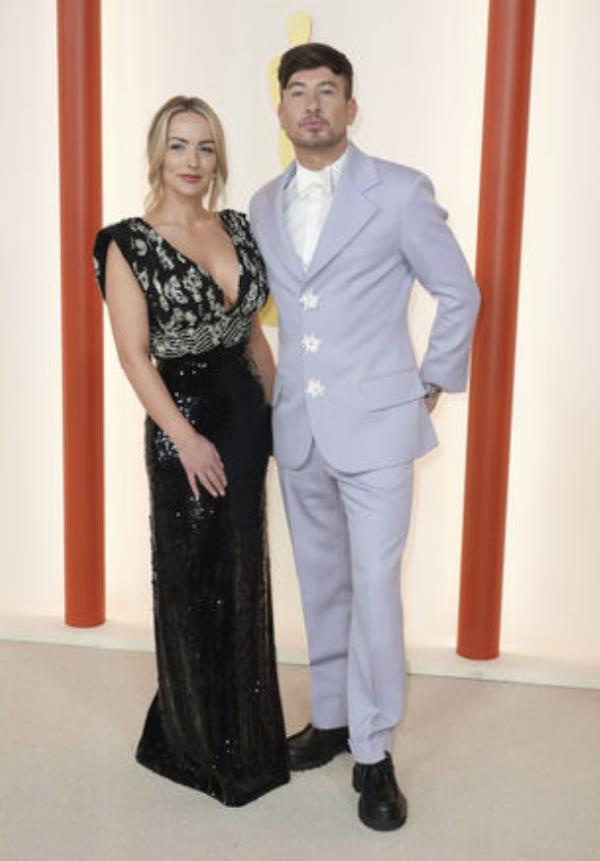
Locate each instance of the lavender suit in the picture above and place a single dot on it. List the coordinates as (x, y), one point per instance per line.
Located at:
(349, 419)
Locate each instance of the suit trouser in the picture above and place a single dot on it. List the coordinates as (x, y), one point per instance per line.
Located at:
(348, 533)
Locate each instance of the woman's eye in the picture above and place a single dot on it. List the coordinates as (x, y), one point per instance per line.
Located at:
(175, 146)
(207, 150)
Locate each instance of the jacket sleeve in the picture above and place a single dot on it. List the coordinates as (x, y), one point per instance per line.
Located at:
(435, 257)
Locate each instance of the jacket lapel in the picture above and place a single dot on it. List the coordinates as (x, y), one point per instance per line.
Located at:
(350, 209)
(275, 232)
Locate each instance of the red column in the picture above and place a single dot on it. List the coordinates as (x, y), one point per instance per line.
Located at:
(504, 149)
(81, 212)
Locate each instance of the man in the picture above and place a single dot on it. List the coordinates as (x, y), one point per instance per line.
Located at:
(344, 236)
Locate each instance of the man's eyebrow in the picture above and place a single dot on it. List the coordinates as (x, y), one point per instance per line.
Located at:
(326, 82)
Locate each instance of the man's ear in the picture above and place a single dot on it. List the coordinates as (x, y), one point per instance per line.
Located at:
(352, 110)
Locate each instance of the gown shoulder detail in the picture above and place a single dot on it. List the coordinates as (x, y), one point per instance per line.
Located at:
(130, 243)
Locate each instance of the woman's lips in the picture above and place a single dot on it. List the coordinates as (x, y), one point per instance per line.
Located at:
(190, 177)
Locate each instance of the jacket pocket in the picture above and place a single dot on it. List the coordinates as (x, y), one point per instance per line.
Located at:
(392, 389)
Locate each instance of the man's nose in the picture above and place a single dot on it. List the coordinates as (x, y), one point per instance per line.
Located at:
(312, 102)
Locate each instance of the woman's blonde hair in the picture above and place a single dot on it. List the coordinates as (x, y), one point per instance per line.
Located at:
(156, 146)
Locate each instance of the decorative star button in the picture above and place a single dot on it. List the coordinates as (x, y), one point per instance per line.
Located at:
(315, 388)
(311, 343)
(309, 300)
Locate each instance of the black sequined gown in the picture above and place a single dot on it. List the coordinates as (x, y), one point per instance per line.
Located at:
(215, 723)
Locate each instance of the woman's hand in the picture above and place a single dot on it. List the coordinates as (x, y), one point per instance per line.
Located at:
(131, 328)
(202, 462)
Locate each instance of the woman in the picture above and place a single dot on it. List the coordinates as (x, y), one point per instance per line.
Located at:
(183, 285)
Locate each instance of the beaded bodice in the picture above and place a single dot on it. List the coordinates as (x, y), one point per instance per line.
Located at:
(186, 307)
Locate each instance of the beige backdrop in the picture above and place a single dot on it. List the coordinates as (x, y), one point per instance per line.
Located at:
(420, 68)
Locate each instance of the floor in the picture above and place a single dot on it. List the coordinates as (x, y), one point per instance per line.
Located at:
(491, 770)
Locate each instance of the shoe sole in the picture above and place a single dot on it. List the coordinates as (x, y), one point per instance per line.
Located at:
(318, 763)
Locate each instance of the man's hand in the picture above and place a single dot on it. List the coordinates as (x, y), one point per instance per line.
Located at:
(432, 394)
(431, 401)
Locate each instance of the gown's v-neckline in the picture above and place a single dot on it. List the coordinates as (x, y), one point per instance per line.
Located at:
(227, 307)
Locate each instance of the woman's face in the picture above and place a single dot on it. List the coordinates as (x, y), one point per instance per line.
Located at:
(190, 159)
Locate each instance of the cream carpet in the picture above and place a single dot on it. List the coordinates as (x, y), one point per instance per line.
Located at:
(492, 771)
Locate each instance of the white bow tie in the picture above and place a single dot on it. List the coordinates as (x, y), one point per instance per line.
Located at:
(314, 181)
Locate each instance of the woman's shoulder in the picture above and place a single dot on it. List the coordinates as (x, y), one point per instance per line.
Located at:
(235, 217)
(238, 225)
(132, 236)
(117, 230)
(134, 224)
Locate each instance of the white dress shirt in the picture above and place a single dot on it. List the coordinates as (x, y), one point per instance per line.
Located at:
(307, 200)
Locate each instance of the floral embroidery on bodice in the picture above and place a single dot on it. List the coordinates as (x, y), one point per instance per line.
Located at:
(186, 307)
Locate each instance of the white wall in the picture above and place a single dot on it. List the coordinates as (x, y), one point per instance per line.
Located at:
(552, 582)
(30, 372)
(420, 67)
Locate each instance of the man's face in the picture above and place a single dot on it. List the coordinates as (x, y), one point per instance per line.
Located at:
(314, 111)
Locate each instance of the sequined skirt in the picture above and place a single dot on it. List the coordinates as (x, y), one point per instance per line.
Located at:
(216, 722)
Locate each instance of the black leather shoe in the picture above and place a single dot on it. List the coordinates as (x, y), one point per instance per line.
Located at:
(382, 805)
(312, 747)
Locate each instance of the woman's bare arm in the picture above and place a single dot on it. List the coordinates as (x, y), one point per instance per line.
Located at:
(129, 321)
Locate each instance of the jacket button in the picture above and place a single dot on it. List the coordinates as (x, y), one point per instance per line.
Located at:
(315, 388)
(311, 343)
(309, 300)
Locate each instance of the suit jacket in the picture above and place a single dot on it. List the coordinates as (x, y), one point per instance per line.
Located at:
(347, 374)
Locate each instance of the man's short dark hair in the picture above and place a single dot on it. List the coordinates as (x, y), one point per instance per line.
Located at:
(312, 55)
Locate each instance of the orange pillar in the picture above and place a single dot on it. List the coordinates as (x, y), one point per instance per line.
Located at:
(81, 214)
(504, 149)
